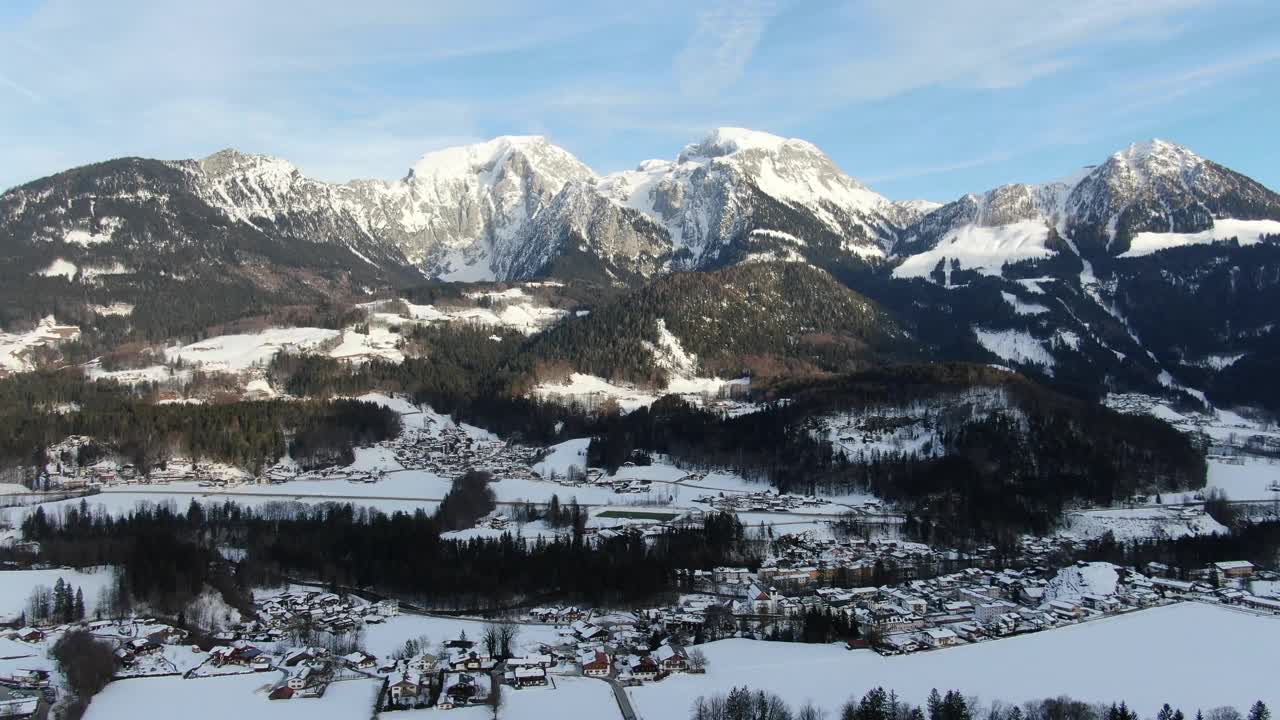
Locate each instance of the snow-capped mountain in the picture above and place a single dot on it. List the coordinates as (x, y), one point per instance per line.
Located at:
(1077, 276)
(1161, 187)
(457, 214)
(718, 190)
(1151, 195)
(515, 207)
(1077, 279)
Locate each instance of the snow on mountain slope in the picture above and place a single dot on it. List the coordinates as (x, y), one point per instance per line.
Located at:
(1149, 196)
(980, 248)
(1072, 583)
(456, 213)
(1015, 346)
(1248, 232)
(1159, 186)
(16, 348)
(705, 198)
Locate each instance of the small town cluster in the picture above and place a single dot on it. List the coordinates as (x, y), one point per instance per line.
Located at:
(306, 639)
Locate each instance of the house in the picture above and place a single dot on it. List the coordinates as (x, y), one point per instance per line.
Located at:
(533, 660)
(361, 660)
(284, 692)
(18, 704)
(1232, 570)
(143, 646)
(643, 668)
(1263, 604)
(595, 663)
(530, 676)
(30, 635)
(1066, 609)
(424, 663)
(586, 630)
(404, 688)
(300, 678)
(939, 638)
(463, 689)
(671, 658)
(298, 656)
(761, 601)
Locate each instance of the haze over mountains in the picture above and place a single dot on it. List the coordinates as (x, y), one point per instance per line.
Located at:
(1073, 280)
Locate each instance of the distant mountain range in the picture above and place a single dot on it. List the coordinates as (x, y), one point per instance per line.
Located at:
(1155, 269)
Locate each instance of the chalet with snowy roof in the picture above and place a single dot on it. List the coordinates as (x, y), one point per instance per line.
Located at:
(1232, 570)
(424, 663)
(300, 678)
(643, 667)
(529, 676)
(595, 663)
(671, 658)
(361, 660)
(404, 688)
(586, 630)
(939, 637)
(29, 635)
(16, 704)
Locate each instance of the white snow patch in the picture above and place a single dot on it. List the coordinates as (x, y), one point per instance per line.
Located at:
(1016, 346)
(15, 348)
(1072, 583)
(85, 238)
(983, 249)
(1023, 308)
(1092, 662)
(1249, 232)
(60, 268)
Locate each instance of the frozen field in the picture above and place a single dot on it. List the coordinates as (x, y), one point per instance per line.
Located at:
(16, 587)
(1189, 655)
(1247, 479)
(1135, 523)
(572, 697)
(243, 697)
(385, 638)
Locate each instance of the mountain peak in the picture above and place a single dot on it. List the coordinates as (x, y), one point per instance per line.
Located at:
(1157, 157)
(228, 161)
(725, 141)
(487, 157)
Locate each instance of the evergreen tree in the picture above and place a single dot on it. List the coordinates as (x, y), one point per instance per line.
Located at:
(934, 703)
(61, 606)
(78, 612)
(1259, 711)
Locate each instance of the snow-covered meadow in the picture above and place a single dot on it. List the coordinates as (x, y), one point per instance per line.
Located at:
(1190, 655)
(243, 697)
(16, 587)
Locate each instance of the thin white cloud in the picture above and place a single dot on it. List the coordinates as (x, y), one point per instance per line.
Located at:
(723, 40)
(19, 88)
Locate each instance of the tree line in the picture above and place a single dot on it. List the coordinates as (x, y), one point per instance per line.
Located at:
(167, 556)
(743, 703)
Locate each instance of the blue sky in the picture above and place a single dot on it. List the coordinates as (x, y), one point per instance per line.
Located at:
(918, 99)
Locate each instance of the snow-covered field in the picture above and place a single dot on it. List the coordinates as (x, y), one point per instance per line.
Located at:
(984, 249)
(16, 347)
(1190, 655)
(1247, 231)
(572, 697)
(243, 697)
(16, 587)
(512, 308)
(1072, 583)
(1014, 345)
(385, 638)
(1139, 523)
(241, 352)
(590, 390)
